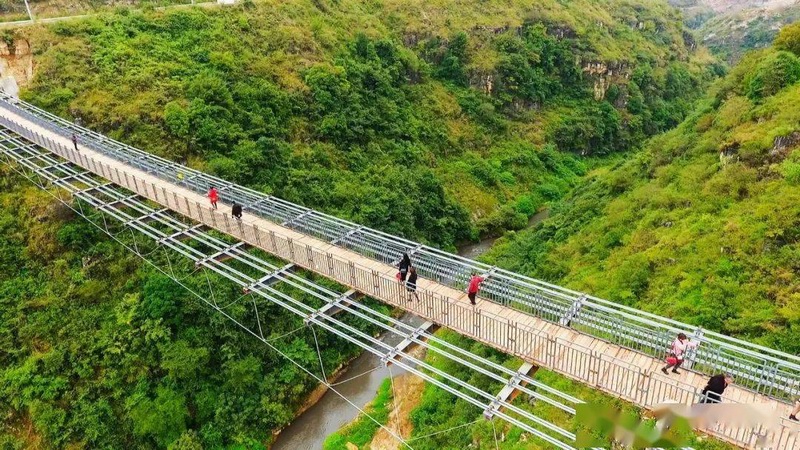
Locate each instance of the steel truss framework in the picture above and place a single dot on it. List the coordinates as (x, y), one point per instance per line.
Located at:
(122, 213)
(764, 370)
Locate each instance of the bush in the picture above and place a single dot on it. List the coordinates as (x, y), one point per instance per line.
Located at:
(777, 71)
(789, 39)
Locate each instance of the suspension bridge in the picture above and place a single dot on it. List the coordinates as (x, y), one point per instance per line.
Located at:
(616, 349)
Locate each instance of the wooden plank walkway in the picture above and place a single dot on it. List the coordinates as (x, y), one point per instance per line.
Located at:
(610, 368)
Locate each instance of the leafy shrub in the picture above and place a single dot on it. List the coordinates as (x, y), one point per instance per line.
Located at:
(775, 72)
(788, 38)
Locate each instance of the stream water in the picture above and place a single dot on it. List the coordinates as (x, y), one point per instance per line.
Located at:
(309, 430)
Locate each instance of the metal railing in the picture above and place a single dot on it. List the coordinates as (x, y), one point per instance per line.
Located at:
(609, 374)
(764, 370)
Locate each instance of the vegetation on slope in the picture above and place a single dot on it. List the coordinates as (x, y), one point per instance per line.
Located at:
(436, 121)
(703, 225)
(99, 351)
(730, 28)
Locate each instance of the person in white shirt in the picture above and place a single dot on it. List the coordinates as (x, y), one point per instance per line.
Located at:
(676, 353)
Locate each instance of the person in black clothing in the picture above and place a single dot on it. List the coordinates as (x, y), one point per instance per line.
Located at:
(236, 211)
(411, 284)
(405, 263)
(712, 393)
(75, 141)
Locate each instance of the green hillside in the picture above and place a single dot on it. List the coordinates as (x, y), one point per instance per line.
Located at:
(435, 120)
(703, 225)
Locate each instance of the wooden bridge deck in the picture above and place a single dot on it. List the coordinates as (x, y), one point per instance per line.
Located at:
(616, 370)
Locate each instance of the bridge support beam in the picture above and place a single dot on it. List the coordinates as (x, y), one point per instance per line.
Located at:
(335, 306)
(223, 254)
(270, 279)
(409, 342)
(147, 217)
(510, 390)
(182, 234)
(346, 235)
(290, 222)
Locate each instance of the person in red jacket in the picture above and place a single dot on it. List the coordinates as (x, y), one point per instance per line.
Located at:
(474, 285)
(213, 196)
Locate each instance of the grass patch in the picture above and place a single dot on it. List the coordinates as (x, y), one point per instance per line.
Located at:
(361, 431)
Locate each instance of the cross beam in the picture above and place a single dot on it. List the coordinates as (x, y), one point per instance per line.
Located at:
(182, 233)
(223, 254)
(335, 306)
(408, 342)
(347, 235)
(270, 278)
(510, 390)
(146, 217)
(52, 166)
(298, 217)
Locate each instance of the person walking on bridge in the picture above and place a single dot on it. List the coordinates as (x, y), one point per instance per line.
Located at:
(75, 141)
(236, 211)
(213, 195)
(474, 286)
(676, 353)
(712, 393)
(411, 284)
(405, 263)
(796, 410)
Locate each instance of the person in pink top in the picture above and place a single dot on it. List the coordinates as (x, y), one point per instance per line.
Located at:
(474, 285)
(677, 351)
(213, 195)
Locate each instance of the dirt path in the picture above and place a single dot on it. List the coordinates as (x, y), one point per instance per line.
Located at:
(407, 394)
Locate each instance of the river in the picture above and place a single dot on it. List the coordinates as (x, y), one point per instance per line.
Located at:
(309, 430)
(474, 249)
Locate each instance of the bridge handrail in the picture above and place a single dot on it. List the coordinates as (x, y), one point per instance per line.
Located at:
(556, 296)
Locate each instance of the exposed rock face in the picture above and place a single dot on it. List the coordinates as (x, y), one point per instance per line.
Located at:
(783, 145)
(604, 74)
(16, 61)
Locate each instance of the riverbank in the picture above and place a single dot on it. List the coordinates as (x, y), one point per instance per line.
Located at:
(330, 412)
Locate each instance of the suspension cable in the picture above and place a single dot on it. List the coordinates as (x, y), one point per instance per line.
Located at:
(356, 376)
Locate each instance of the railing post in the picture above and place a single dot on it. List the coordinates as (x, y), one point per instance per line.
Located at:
(512, 337)
(352, 273)
(572, 312)
(258, 237)
(691, 353)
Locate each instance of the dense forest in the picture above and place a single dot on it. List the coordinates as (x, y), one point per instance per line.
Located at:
(433, 122)
(703, 224)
